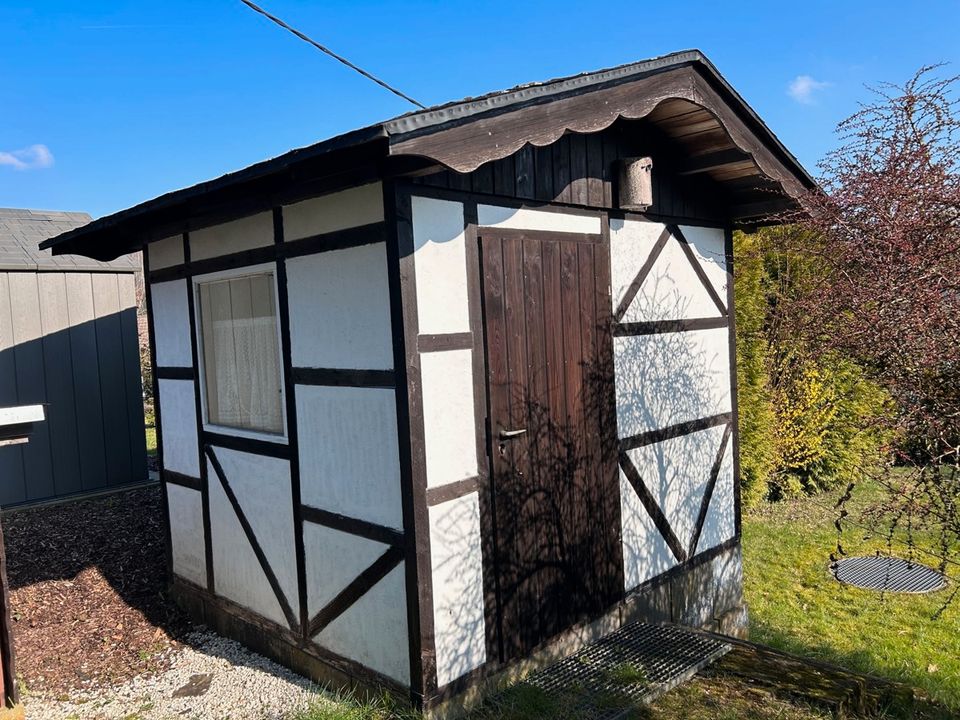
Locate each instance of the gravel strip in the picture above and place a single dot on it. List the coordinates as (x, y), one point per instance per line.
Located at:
(242, 686)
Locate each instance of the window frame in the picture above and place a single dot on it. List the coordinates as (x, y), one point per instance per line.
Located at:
(281, 438)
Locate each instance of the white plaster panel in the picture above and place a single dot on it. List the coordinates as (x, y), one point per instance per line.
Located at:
(676, 472)
(457, 568)
(709, 245)
(349, 208)
(340, 309)
(244, 234)
(449, 426)
(671, 290)
(333, 560)
(670, 378)
(373, 631)
(526, 219)
(166, 252)
(645, 552)
(349, 455)
(178, 427)
(631, 242)
(262, 487)
(720, 523)
(236, 571)
(441, 266)
(185, 507)
(171, 323)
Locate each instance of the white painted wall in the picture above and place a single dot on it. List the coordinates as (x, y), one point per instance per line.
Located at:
(676, 472)
(373, 631)
(171, 323)
(166, 252)
(349, 208)
(666, 379)
(708, 245)
(671, 290)
(457, 569)
(349, 455)
(527, 219)
(244, 234)
(262, 487)
(186, 533)
(178, 427)
(340, 309)
(334, 559)
(631, 242)
(449, 425)
(720, 524)
(441, 266)
(669, 378)
(645, 552)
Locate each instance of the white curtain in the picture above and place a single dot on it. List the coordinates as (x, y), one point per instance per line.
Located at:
(241, 353)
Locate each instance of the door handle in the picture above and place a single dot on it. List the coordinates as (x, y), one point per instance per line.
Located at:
(511, 434)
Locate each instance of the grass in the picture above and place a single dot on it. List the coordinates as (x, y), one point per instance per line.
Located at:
(151, 431)
(797, 606)
(712, 697)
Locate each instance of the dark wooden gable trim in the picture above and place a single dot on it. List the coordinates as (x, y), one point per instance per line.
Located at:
(466, 146)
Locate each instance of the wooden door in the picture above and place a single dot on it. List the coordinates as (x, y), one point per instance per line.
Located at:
(554, 487)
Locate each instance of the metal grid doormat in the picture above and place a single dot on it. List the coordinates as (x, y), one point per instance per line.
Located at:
(888, 574)
(610, 677)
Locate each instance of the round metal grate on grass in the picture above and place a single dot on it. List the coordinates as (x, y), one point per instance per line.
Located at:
(888, 574)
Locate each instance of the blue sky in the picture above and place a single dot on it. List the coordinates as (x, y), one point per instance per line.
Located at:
(106, 104)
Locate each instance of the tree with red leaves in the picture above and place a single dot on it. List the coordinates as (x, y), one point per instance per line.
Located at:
(885, 232)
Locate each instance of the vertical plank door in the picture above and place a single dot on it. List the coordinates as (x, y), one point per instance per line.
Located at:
(554, 484)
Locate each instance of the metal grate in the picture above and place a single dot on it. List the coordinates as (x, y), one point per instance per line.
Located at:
(635, 664)
(888, 574)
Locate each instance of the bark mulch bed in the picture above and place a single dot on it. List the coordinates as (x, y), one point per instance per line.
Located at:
(88, 591)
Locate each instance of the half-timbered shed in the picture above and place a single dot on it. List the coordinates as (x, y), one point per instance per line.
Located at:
(455, 392)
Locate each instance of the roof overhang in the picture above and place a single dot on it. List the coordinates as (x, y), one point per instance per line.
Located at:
(682, 94)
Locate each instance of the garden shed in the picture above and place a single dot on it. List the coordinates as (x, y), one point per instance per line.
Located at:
(454, 393)
(69, 340)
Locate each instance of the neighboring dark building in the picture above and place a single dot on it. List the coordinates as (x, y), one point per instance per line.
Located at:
(68, 339)
(457, 391)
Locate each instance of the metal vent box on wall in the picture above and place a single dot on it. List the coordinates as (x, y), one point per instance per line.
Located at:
(68, 340)
(432, 405)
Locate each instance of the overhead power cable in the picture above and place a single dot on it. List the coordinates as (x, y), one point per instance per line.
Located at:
(331, 53)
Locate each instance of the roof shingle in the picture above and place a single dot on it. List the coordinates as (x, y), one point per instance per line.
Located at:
(22, 230)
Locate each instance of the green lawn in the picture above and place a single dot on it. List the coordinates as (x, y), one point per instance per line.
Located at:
(796, 605)
(151, 431)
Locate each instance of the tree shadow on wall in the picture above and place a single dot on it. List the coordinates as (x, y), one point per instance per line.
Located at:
(554, 539)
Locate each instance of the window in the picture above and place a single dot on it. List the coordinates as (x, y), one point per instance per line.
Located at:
(240, 347)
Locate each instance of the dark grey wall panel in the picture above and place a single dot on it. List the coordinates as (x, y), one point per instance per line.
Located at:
(131, 372)
(11, 457)
(113, 398)
(86, 381)
(69, 340)
(61, 416)
(31, 383)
